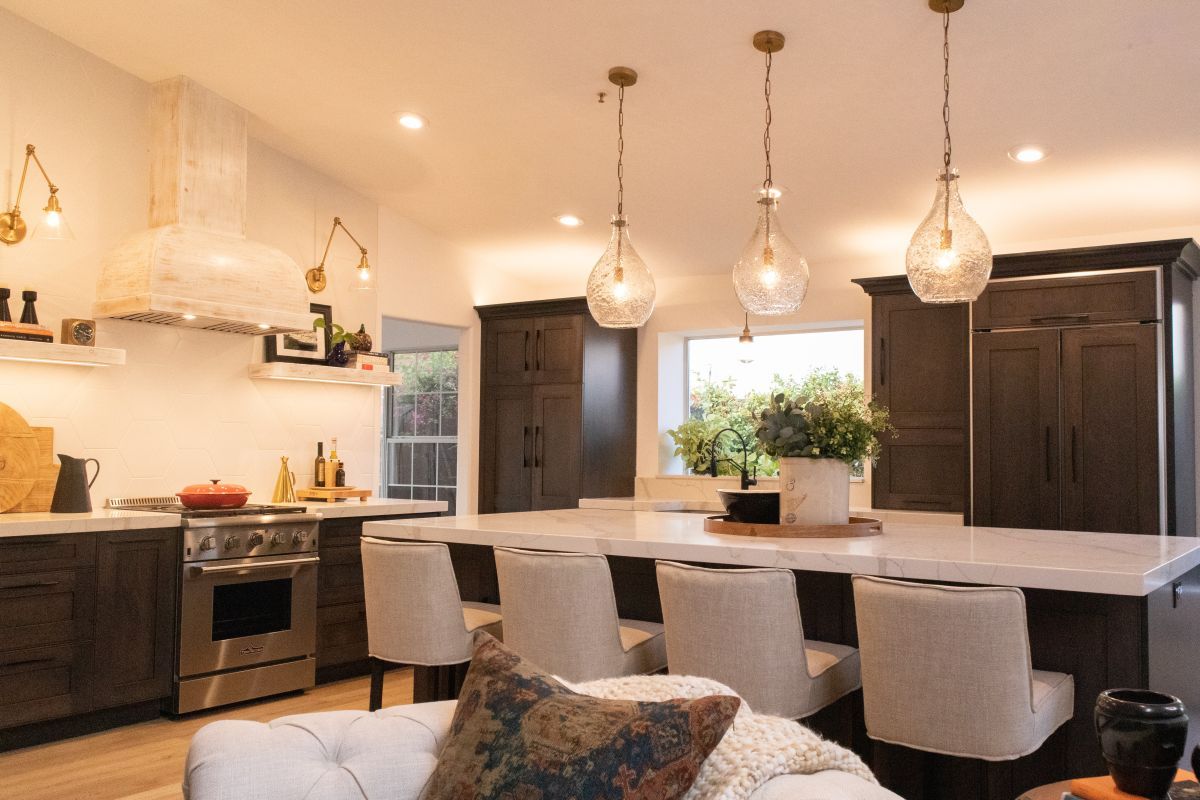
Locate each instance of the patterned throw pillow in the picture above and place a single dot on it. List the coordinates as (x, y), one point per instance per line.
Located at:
(518, 734)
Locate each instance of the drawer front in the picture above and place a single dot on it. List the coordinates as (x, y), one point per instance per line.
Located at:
(43, 608)
(341, 634)
(340, 533)
(339, 578)
(44, 683)
(47, 553)
(1056, 302)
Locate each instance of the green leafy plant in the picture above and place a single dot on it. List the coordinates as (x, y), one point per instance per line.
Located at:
(337, 334)
(829, 417)
(693, 443)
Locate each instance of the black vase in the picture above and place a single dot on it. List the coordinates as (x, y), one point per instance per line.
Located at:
(337, 356)
(1142, 737)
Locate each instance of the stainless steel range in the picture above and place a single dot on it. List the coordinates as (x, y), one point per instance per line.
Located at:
(247, 602)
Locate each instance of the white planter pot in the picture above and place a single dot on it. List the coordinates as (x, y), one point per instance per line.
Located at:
(814, 491)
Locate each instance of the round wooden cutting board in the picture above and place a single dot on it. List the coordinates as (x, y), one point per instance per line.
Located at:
(18, 458)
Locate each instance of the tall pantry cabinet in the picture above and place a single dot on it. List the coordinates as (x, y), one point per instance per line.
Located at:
(557, 407)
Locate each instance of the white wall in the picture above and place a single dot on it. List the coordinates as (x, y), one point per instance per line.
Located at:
(183, 409)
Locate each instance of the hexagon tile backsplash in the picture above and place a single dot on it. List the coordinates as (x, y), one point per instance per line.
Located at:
(183, 410)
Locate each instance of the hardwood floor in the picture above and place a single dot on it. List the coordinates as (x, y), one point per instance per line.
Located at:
(145, 761)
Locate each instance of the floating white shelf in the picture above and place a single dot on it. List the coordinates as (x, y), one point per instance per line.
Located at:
(283, 371)
(50, 353)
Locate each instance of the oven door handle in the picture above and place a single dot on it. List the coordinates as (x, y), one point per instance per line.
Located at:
(207, 570)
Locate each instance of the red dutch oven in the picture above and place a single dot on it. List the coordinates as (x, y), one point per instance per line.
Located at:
(214, 494)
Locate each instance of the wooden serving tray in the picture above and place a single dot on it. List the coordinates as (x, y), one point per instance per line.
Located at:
(323, 495)
(857, 527)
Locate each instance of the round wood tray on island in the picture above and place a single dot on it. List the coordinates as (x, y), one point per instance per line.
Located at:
(857, 527)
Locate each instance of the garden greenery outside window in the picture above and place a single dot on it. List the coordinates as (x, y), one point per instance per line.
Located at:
(729, 383)
(420, 451)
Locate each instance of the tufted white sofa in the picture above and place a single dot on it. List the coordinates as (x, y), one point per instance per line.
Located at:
(386, 755)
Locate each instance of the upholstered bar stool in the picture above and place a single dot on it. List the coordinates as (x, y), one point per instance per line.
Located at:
(742, 627)
(947, 669)
(414, 612)
(560, 612)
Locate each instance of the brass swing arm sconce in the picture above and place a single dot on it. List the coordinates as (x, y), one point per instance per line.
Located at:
(317, 280)
(12, 224)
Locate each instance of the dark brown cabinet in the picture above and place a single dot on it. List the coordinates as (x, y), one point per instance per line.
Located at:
(557, 407)
(136, 579)
(1081, 378)
(87, 624)
(1016, 429)
(919, 371)
(1110, 429)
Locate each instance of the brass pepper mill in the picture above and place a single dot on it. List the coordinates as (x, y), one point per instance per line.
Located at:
(285, 484)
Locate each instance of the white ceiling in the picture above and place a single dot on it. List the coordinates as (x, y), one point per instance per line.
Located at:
(516, 135)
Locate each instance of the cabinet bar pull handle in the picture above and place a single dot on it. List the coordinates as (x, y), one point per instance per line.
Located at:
(537, 450)
(27, 662)
(525, 446)
(527, 351)
(538, 349)
(29, 585)
(1049, 478)
(1074, 458)
(882, 361)
(1061, 318)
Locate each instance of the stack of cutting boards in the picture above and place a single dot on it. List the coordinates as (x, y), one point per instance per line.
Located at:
(27, 469)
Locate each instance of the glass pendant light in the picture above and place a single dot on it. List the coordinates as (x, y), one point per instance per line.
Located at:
(949, 259)
(771, 277)
(620, 289)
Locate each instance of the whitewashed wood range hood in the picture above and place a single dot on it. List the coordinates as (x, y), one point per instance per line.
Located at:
(194, 266)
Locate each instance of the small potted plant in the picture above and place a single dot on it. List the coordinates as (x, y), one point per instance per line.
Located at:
(817, 436)
(339, 341)
(693, 443)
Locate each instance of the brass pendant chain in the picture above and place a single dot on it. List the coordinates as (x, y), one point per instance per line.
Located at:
(947, 147)
(767, 130)
(621, 149)
(768, 253)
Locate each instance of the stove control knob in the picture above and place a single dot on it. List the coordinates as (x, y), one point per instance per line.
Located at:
(299, 536)
(254, 540)
(232, 542)
(280, 537)
(208, 543)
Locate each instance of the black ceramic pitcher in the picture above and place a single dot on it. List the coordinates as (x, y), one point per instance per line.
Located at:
(71, 495)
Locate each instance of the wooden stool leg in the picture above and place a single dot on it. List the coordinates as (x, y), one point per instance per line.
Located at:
(376, 701)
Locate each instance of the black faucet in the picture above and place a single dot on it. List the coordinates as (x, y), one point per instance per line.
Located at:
(747, 481)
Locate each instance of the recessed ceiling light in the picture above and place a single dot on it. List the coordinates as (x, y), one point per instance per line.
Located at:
(1028, 154)
(570, 220)
(264, 326)
(189, 317)
(413, 122)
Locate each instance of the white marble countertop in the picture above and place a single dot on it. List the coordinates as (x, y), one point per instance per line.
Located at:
(375, 507)
(695, 505)
(1103, 563)
(43, 523)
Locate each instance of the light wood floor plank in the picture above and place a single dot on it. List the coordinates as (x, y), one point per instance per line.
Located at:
(145, 761)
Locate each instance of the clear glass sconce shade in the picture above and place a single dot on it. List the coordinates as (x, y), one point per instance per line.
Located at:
(620, 289)
(364, 275)
(53, 225)
(771, 277)
(948, 264)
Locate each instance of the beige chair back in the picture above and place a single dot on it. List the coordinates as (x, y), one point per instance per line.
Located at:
(740, 627)
(560, 612)
(414, 612)
(945, 668)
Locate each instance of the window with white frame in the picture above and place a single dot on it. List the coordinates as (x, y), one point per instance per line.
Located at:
(420, 454)
(728, 381)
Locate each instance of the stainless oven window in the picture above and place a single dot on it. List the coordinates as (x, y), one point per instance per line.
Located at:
(251, 609)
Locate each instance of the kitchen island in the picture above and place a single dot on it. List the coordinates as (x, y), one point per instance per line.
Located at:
(1112, 610)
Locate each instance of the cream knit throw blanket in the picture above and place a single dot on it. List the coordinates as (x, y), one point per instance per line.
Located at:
(755, 749)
